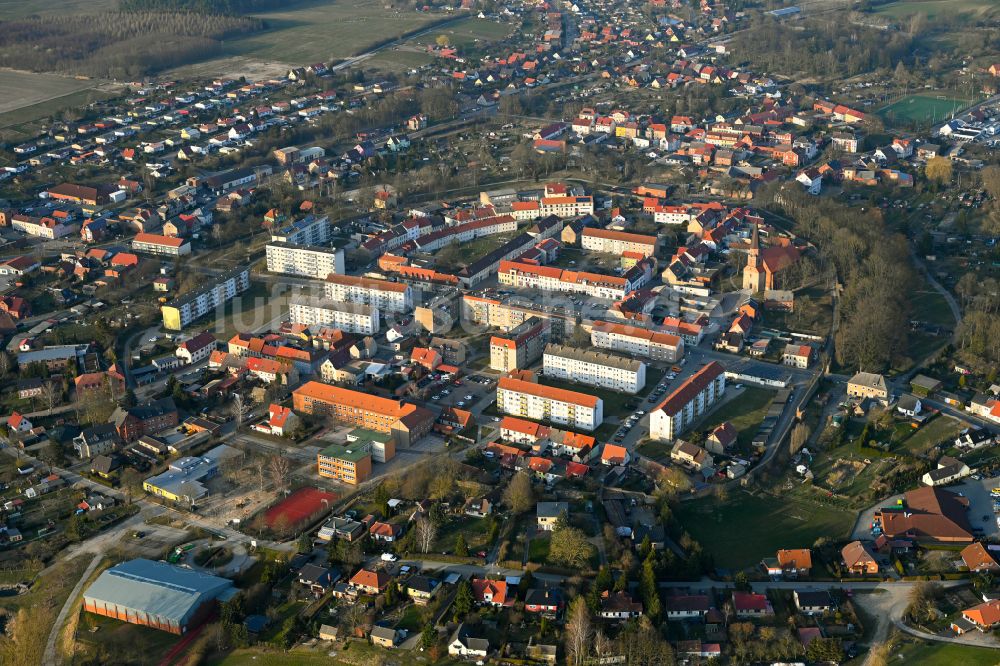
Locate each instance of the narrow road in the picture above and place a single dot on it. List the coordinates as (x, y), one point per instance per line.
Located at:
(50, 658)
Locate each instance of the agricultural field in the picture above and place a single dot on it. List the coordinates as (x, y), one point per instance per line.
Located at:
(326, 30)
(26, 97)
(732, 529)
(12, 9)
(932, 8)
(467, 32)
(923, 108)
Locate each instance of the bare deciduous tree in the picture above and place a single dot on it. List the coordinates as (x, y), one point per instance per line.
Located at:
(578, 632)
(426, 533)
(278, 467)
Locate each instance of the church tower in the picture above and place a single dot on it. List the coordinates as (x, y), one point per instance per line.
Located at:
(753, 272)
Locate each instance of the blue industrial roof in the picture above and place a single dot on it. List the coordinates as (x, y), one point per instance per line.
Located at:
(166, 591)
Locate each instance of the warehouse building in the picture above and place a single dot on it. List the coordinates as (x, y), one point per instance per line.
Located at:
(157, 595)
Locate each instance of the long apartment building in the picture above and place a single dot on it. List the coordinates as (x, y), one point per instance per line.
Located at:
(348, 317)
(560, 206)
(530, 400)
(497, 313)
(304, 260)
(519, 347)
(688, 403)
(655, 345)
(216, 292)
(594, 368)
(618, 242)
(406, 422)
(166, 246)
(464, 233)
(309, 230)
(382, 294)
(550, 278)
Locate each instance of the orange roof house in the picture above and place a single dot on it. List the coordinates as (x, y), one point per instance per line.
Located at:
(797, 559)
(371, 582)
(491, 592)
(977, 558)
(614, 455)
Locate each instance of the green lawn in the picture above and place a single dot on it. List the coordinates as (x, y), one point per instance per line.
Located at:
(923, 108)
(945, 654)
(932, 8)
(745, 528)
(941, 429)
(745, 411)
(929, 305)
(475, 531)
(538, 550)
(467, 32)
(325, 30)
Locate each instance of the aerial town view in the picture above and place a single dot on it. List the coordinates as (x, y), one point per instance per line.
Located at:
(511, 332)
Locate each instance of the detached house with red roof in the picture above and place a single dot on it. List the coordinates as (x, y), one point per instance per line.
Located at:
(197, 348)
(492, 592)
(371, 582)
(18, 423)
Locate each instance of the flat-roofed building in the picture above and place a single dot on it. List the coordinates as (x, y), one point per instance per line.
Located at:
(348, 317)
(309, 230)
(405, 421)
(546, 403)
(350, 464)
(520, 347)
(689, 402)
(594, 368)
(213, 294)
(386, 296)
(305, 260)
(656, 345)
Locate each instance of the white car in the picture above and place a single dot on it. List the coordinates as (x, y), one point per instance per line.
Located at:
(389, 557)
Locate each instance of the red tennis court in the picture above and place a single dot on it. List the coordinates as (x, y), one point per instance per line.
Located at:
(301, 505)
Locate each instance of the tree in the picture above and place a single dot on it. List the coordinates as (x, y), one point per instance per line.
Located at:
(519, 495)
(578, 632)
(463, 600)
(569, 547)
(442, 40)
(799, 437)
(938, 170)
(825, 650)
(278, 467)
(239, 410)
(426, 534)
(878, 655)
(461, 548)
(259, 466)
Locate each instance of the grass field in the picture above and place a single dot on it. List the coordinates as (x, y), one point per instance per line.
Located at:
(929, 305)
(746, 412)
(945, 654)
(922, 108)
(326, 30)
(467, 32)
(941, 429)
(733, 530)
(11, 9)
(933, 8)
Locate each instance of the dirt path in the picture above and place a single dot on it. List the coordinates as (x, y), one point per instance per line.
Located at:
(50, 657)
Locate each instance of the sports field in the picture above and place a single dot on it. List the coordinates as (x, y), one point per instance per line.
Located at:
(736, 533)
(923, 108)
(299, 507)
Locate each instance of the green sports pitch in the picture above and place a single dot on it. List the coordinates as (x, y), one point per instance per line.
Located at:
(923, 108)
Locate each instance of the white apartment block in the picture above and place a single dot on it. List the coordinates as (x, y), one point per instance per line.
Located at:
(594, 368)
(166, 246)
(673, 214)
(43, 227)
(307, 261)
(348, 317)
(544, 403)
(618, 242)
(218, 291)
(310, 230)
(550, 278)
(558, 206)
(656, 345)
(382, 294)
(688, 403)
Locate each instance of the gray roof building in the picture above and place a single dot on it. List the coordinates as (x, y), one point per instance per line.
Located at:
(156, 594)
